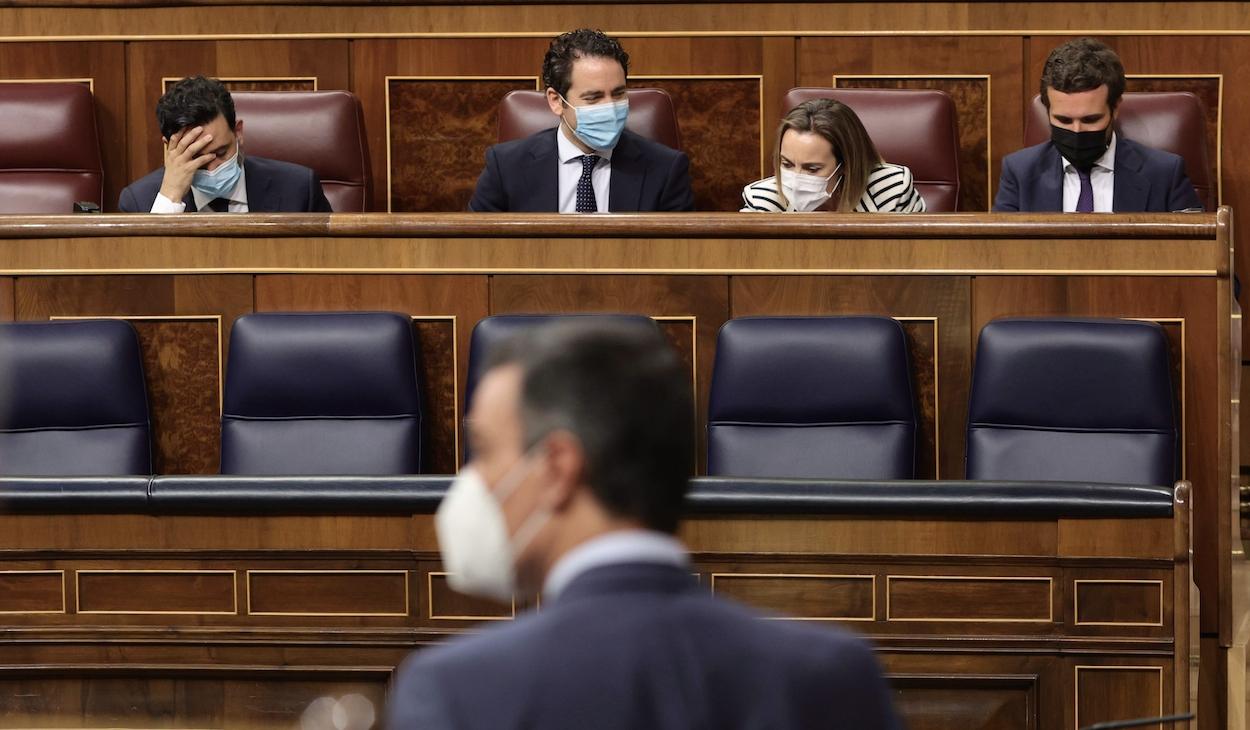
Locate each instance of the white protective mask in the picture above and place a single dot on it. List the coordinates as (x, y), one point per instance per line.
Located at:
(808, 192)
(478, 553)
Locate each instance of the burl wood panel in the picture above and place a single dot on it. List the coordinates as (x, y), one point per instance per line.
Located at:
(1106, 694)
(929, 308)
(183, 592)
(439, 133)
(936, 702)
(445, 308)
(261, 64)
(319, 593)
(720, 133)
(1109, 601)
(1153, 298)
(273, 84)
(828, 597)
(979, 73)
(105, 64)
(32, 592)
(947, 598)
(972, 105)
(706, 298)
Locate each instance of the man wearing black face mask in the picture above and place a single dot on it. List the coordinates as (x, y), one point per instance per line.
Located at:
(1087, 167)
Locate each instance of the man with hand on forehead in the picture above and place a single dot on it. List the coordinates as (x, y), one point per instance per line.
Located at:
(589, 163)
(205, 167)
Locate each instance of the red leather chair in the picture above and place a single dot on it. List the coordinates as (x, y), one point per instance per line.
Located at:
(651, 115)
(912, 127)
(323, 130)
(49, 149)
(1174, 121)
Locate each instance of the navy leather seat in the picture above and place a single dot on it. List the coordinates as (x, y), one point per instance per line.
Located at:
(489, 332)
(322, 393)
(816, 397)
(72, 400)
(1072, 400)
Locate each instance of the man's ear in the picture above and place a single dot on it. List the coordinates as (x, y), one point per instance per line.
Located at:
(566, 469)
(554, 102)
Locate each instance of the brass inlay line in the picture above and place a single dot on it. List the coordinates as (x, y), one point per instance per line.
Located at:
(867, 271)
(351, 614)
(234, 582)
(386, 110)
(90, 82)
(1050, 599)
(1076, 602)
(1076, 677)
(872, 579)
(429, 593)
(61, 573)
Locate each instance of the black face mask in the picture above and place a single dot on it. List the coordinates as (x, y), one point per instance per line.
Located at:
(1082, 149)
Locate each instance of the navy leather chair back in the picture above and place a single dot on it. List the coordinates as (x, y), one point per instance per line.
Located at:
(817, 397)
(72, 400)
(1072, 400)
(322, 393)
(489, 332)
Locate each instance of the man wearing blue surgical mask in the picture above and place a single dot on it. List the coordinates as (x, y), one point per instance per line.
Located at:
(588, 162)
(206, 168)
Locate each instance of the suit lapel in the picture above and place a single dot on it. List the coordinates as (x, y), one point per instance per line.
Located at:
(542, 173)
(260, 195)
(189, 201)
(628, 173)
(1049, 183)
(1130, 189)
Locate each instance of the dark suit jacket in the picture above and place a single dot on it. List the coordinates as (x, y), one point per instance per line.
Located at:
(643, 647)
(1146, 180)
(522, 176)
(272, 187)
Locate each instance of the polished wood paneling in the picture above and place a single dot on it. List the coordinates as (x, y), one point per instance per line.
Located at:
(103, 63)
(144, 592)
(6, 298)
(32, 592)
(439, 132)
(445, 308)
(986, 71)
(1107, 693)
(705, 298)
(443, 604)
(267, 84)
(952, 702)
(971, 96)
(969, 598)
(820, 597)
(941, 303)
(1122, 602)
(279, 61)
(328, 593)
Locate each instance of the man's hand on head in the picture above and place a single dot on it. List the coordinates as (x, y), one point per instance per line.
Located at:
(182, 159)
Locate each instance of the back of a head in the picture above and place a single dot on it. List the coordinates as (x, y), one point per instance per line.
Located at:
(623, 392)
(193, 101)
(841, 126)
(1081, 65)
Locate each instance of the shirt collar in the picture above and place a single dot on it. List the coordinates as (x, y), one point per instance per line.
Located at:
(237, 195)
(1106, 162)
(614, 548)
(568, 151)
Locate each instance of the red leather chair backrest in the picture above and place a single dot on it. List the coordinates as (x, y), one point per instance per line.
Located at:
(651, 115)
(1174, 121)
(912, 127)
(323, 130)
(49, 149)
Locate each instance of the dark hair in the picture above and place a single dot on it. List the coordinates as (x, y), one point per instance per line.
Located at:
(619, 387)
(194, 100)
(565, 48)
(1081, 65)
(839, 125)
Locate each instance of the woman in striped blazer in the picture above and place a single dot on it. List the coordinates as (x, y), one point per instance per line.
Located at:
(826, 161)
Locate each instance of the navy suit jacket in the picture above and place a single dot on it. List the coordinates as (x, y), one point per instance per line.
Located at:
(521, 176)
(639, 646)
(272, 187)
(1146, 180)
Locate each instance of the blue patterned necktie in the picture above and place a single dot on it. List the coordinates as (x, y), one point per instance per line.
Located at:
(585, 190)
(1085, 201)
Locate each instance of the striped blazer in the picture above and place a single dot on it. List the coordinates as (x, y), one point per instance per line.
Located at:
(889, 191)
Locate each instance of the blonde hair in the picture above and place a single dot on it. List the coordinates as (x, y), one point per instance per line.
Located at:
(851, 144)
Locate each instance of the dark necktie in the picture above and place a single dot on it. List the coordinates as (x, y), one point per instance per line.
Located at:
(585, 191)
(1085, 201)
(219, 205)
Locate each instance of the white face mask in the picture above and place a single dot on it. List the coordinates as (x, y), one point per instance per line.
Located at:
(478, 553)
(808, 192)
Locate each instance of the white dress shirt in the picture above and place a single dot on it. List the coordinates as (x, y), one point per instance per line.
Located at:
(615, 548)
(1101, 178)
(238, 200)
(571, 171)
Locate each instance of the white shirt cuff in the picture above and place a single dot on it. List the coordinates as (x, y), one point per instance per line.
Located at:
(165, 205)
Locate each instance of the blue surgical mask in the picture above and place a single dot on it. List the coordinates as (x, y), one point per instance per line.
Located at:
(220, 182)
(600, 125)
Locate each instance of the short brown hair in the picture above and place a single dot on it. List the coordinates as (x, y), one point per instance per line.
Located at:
(1081, 65)
(851, 144)
(568, 47)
